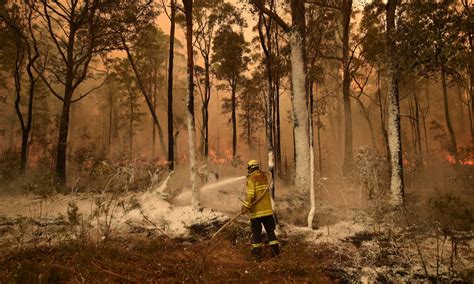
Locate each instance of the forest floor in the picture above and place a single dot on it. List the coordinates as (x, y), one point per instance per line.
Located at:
(140, 237)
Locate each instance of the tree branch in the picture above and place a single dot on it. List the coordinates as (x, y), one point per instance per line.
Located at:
(48, 84)
(261, 6)
(324, 5)
(91, 90)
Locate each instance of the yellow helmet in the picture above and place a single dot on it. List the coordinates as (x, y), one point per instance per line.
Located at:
(253, 164)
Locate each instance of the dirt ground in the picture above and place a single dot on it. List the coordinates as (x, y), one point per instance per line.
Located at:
(145, 237)
(161, 260)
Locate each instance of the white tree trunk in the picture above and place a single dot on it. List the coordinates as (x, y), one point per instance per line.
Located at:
(394, 143)
(394, 135)
(300, 113)
(195, 200)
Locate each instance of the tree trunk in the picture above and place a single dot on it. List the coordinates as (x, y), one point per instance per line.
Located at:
(62, 141)
(146, 95)
(267, 48)
(249, 127)
(346, 18)
(205, 126)
(277, 112)
(469, 113)
(17, 79)
(29, 121)
(153, 134)
(64, 120)
(365, 113)
(195, 200)
(234, 121)
(130, 129)
(299, 97)
(111, 108)
(418, 130)
(414, 139)
(382, 117)
(454, 148)
(277, 129)
(205, 105)
(424, 114)
(470, 86)
(394, 133)
(170, 88)
(312, 195)
(318, 123)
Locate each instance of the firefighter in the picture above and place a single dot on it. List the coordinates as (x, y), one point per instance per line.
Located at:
(261, 213)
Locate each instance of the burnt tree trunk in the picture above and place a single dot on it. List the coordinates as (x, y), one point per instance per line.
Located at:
(153, 134)
(195, 200)
(205, 104)
(417, 125)
(170, 87)
(130, 129)
(110, 101)
(346, 82)
(453, 147)
(234, 119)
(66, 107)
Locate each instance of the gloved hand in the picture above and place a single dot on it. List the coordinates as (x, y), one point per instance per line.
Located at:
(244, 210)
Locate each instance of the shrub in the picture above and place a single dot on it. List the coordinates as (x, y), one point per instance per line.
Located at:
(9, 165)
(370, 171)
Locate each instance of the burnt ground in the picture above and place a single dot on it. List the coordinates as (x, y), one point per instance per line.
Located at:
(163, 260)
(43, 241)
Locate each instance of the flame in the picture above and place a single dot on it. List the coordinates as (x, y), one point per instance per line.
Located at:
(215, 158)
(466, 162)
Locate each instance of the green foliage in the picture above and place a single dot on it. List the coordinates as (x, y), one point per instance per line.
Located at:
(251, 103)
(320, 37)
(150, 50)
(229, 56)
(431, 38)
(372, 26)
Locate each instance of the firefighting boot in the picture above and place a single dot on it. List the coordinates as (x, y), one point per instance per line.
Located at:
(275, 249)
(256, 252)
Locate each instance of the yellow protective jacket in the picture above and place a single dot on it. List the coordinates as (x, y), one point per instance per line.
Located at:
(257, 183)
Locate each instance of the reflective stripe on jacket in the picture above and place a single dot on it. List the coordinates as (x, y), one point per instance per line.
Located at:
(257, 183)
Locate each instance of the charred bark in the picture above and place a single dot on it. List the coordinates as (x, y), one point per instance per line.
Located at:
(453, 147)
(195, 200)
(312, 195)
(170, 87)
(348, 139)
(234, 119)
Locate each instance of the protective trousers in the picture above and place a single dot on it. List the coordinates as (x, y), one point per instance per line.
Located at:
(256, 226)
